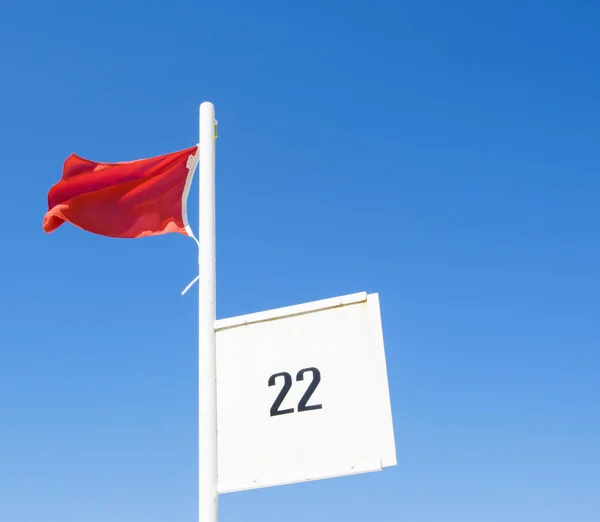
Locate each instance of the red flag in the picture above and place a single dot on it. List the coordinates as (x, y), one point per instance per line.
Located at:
(132, 199)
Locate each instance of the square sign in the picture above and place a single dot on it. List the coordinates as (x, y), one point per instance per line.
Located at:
(302, 394)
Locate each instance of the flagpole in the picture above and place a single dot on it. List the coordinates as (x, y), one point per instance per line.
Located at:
(207, 367)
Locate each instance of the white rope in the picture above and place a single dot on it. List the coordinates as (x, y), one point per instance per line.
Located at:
(190, 285)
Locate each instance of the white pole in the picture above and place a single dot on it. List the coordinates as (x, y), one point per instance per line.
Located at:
(207, 363)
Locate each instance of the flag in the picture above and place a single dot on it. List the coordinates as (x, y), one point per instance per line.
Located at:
(132, 199)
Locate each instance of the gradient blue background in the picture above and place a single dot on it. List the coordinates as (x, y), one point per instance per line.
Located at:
(444, 154)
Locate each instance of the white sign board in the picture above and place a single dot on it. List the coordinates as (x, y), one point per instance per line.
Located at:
(302, 394)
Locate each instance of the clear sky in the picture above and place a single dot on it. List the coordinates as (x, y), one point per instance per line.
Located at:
(443, 154)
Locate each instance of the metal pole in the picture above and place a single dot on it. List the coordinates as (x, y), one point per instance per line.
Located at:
(207, 368)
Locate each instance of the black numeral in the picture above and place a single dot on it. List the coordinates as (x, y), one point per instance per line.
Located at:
(287, 385)
(311, 389)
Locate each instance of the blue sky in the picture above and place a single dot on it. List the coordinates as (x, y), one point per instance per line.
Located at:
(443, 154)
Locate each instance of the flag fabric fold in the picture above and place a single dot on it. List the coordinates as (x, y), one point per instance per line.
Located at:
(132, 199)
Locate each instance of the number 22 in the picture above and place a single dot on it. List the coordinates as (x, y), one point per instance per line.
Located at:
(287, 385)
